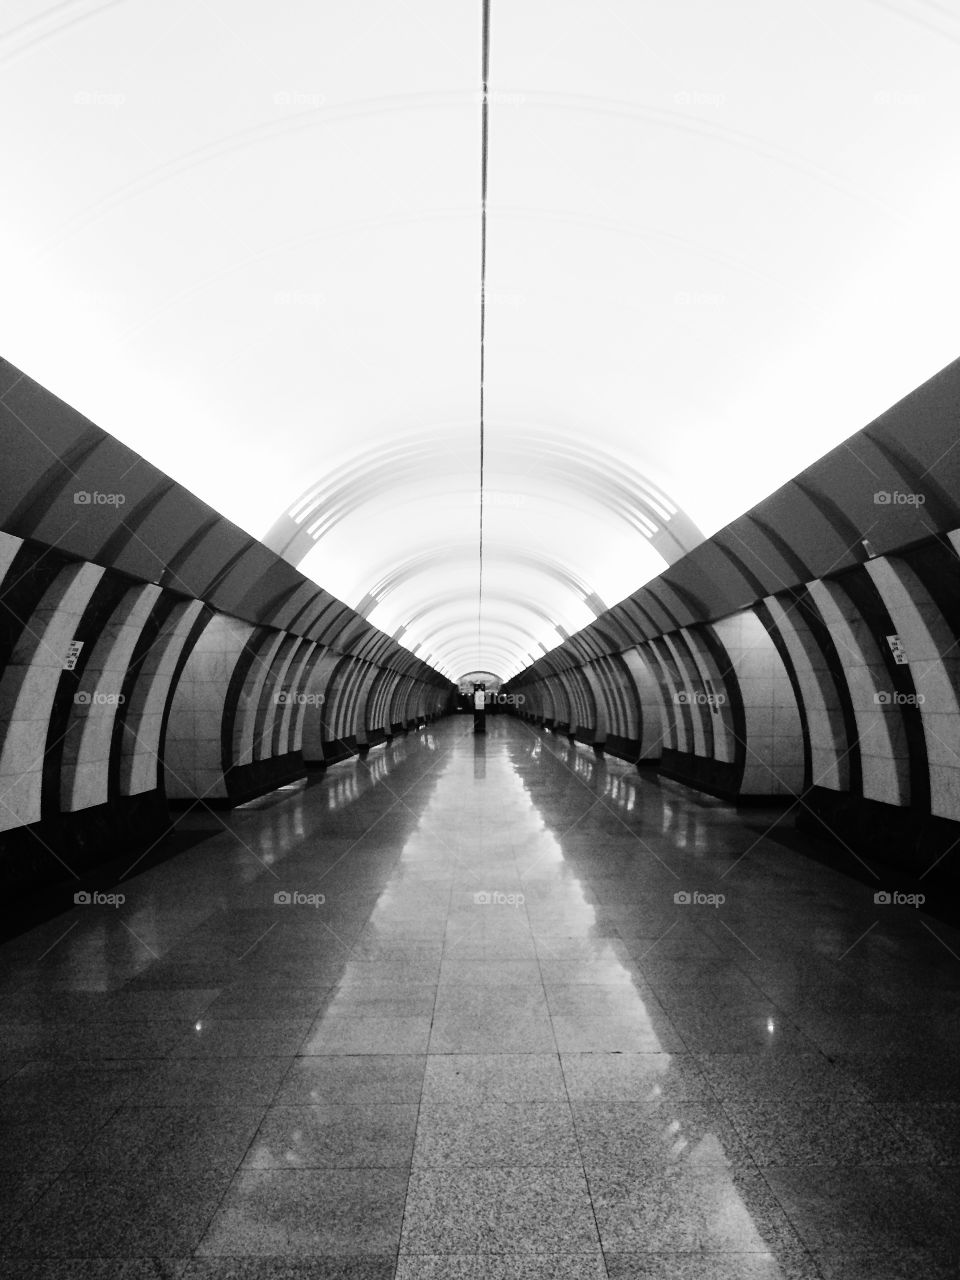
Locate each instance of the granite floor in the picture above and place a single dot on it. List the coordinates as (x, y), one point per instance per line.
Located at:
(478, 1034)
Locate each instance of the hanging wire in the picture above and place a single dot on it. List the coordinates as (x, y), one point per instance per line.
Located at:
(484, 138)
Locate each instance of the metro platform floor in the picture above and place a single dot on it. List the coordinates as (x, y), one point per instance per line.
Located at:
(498, 1048)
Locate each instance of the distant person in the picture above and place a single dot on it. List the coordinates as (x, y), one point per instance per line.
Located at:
(479, 710)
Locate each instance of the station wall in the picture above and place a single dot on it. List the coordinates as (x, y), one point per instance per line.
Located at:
(153, 654)
(807, 654)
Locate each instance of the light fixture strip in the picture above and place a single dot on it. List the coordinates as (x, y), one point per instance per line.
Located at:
(484, 137)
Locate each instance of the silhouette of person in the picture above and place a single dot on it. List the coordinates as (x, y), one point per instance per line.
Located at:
(479, 709)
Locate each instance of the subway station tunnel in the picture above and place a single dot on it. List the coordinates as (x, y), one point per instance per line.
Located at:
(357, 357)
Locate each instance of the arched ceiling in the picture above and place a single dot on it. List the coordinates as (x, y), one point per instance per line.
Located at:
(246, 240)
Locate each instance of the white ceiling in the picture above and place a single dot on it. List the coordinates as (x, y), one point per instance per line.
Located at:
(246, 240)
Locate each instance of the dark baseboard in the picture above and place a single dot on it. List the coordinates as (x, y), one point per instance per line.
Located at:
(719, 778)
(248, 781)
(46, 863)
(886, 846)
(623, 748)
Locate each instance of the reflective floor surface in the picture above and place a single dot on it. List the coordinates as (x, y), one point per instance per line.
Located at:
(483, 1007)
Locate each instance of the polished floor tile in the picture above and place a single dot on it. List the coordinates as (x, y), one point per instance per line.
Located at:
(495, 1135)
(113, 1215)
(353, 1079)
(499, 1049)
(634, 1077)
(242, 1037)
(501, 1266)
(787, 1264)
(340, 1033)
(619, 1033)
(821, 1131)
(314, 1267)
(381, 1000)
(650, 1207)
(899, 1077)
(932, 1128)
(493, 1077)
(95, 1268)
(901, 1264)
(139, 1138)
(662, 1132)
(501, 1210)
(509, 1029)
(341, 1136)
(245, 1081)
(303, 1212)
(747, 1076)
(857, 1208)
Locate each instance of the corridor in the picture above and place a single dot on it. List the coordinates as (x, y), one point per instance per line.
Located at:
(488, 1008)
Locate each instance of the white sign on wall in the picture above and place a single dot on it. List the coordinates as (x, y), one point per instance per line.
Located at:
(896, 648)
(73, 653)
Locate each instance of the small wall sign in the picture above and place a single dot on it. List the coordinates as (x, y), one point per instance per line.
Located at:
(73, 653)
(896, 648)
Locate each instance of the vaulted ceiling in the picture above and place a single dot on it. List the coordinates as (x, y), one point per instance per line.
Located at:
(247, 240)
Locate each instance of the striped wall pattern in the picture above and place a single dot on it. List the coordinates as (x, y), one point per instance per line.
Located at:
(842, 695)
(153, 653)
(808, 654)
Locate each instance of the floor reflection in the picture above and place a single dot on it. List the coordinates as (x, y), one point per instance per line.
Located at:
(472, 998)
